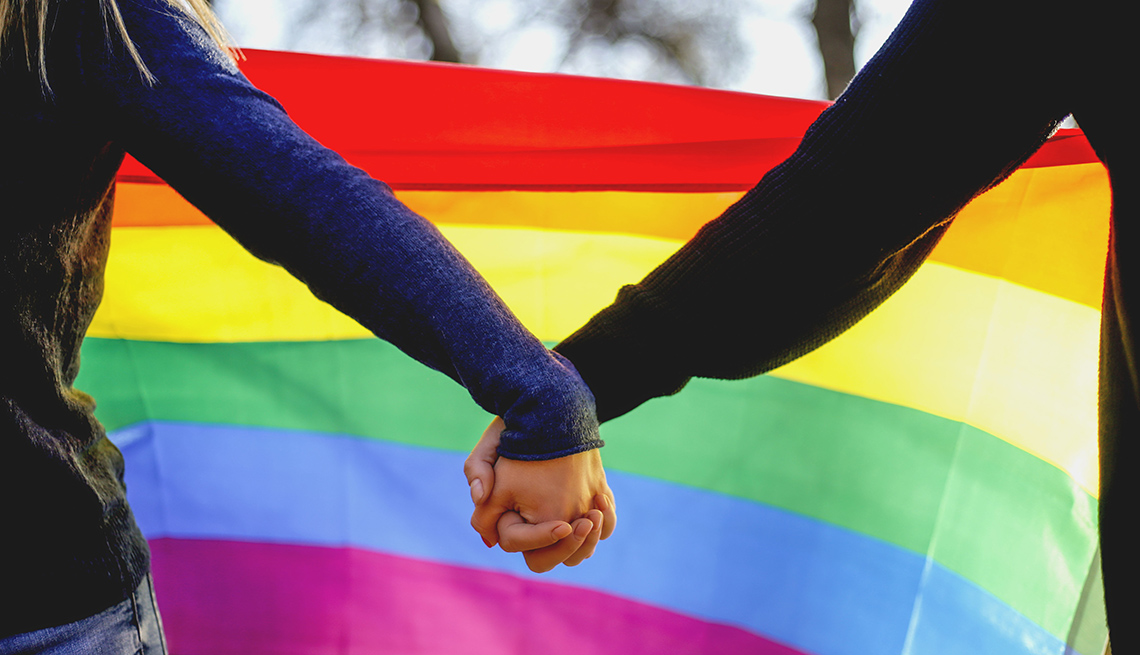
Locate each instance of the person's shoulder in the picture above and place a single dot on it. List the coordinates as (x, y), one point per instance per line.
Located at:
(169, 40)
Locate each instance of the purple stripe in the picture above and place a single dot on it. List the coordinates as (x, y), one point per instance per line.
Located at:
(222, 597)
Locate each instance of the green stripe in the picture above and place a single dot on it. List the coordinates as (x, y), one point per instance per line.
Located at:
(1010, 522)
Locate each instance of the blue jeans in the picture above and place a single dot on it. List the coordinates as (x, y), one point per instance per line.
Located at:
(132, 627)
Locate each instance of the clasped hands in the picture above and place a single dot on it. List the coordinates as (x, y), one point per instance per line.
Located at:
(552, 511)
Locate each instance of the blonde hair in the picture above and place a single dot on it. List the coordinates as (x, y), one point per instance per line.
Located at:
(26, 22)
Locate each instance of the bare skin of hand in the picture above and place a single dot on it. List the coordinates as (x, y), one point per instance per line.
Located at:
(530, 504)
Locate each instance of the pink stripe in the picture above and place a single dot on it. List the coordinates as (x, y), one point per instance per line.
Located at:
(221, 597)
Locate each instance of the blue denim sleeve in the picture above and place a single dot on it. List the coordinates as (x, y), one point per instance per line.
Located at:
(232, 151)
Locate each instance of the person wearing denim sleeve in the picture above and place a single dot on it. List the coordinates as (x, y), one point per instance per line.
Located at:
(85, 81)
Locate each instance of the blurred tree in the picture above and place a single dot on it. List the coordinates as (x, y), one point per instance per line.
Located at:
(667, 40)
(431, 19)
(662, 40)
(675, 40)
(413, 29)
(835, 29)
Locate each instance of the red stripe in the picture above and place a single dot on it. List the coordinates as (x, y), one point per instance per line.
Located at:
(671, 167)
(1064, 148)
(723, 166)
(398, 121)
(416, 106)
(221, 597)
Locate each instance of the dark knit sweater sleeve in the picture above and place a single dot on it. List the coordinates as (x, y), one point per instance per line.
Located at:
(233, 152)
(955, 100)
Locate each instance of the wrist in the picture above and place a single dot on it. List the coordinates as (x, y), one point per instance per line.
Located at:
(619, 356)
(552, 420)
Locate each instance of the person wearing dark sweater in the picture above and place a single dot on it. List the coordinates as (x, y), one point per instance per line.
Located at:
(85, 81)
(960, 95)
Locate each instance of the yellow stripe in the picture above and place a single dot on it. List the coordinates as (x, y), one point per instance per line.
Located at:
(195, 284)
(1015, 362)
(1012, 361)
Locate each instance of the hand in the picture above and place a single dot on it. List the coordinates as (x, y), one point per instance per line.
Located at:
(525, 506)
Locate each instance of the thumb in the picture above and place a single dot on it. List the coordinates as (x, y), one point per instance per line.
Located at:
(480, 464)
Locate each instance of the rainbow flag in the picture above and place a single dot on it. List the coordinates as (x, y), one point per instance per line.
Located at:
(925, 484)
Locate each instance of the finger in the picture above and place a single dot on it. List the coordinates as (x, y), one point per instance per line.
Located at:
(605, 504)
(479, 466)
(544, 559)
(516, 535)
(485, 520)
(586, 551)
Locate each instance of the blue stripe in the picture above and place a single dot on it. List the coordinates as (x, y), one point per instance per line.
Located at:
(787, 577)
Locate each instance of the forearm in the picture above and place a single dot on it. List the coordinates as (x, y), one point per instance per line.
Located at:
(829, 234)
(394, 272)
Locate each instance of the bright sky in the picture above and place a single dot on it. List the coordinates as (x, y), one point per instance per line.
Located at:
(783, 59)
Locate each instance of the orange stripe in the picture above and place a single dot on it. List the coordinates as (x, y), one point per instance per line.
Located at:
(153, 205)
(675, 216)
(1044, 228)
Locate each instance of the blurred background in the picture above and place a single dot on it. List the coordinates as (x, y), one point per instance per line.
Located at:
(795, 48)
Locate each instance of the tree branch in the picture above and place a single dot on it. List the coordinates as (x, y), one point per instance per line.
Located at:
(832, 23)
(434, 24)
